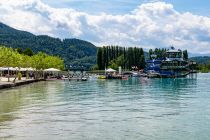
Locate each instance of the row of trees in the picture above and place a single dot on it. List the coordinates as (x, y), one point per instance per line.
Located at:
(12, 58)
(115, 56)
(204, 68)
(161, 53)
(40, 61)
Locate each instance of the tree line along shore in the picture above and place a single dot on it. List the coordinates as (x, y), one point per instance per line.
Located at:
(115, 56)
(27, 59)
(131, 58)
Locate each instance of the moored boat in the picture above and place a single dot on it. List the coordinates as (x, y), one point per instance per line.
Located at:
(101, 77)
(171, 65)
(153, 74)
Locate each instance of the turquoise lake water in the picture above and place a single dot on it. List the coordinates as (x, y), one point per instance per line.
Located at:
(134, 109)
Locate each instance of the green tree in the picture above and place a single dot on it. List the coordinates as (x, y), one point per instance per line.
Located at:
(40, 61)
(9, 58)
(28, 52)
(150, 53)
(100, 58)
(185, 55)
(19, 50)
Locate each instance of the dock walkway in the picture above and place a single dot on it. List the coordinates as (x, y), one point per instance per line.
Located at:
(4, 84)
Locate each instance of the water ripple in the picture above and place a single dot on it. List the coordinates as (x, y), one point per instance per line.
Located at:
(138, 108)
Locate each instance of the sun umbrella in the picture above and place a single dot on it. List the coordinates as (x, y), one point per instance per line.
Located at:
(6, 68)
(110, 70)
(52, 70)
(23, 69)
(30, 69)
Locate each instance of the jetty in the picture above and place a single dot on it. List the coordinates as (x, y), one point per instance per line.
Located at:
(5, 85)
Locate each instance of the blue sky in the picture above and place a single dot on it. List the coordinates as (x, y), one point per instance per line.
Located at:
(142, 23)
(199, 7)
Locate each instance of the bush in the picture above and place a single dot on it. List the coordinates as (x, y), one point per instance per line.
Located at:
(19, 76)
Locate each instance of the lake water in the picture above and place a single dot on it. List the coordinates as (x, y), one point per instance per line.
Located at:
(138, 108)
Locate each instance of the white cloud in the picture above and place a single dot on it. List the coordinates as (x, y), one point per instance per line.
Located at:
(155, 24)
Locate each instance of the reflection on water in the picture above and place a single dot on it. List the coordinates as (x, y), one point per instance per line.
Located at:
(138, 108)
(17, 98)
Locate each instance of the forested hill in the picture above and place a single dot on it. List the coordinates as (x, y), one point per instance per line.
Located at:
(75, 52)
(201, 59)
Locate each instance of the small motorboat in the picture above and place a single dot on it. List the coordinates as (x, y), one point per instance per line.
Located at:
(84, 79)
(102, 77)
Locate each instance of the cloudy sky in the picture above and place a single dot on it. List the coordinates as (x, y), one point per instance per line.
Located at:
(144, 23)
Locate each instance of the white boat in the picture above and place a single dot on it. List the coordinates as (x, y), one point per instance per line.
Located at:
(84, 79)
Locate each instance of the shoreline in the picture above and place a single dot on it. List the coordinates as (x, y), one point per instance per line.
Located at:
(8, 85)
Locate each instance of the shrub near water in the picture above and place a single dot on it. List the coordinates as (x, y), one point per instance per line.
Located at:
(19, 76)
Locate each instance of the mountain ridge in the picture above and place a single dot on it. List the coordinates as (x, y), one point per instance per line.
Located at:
(71, 50)
(201, 59)
(75, 52)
